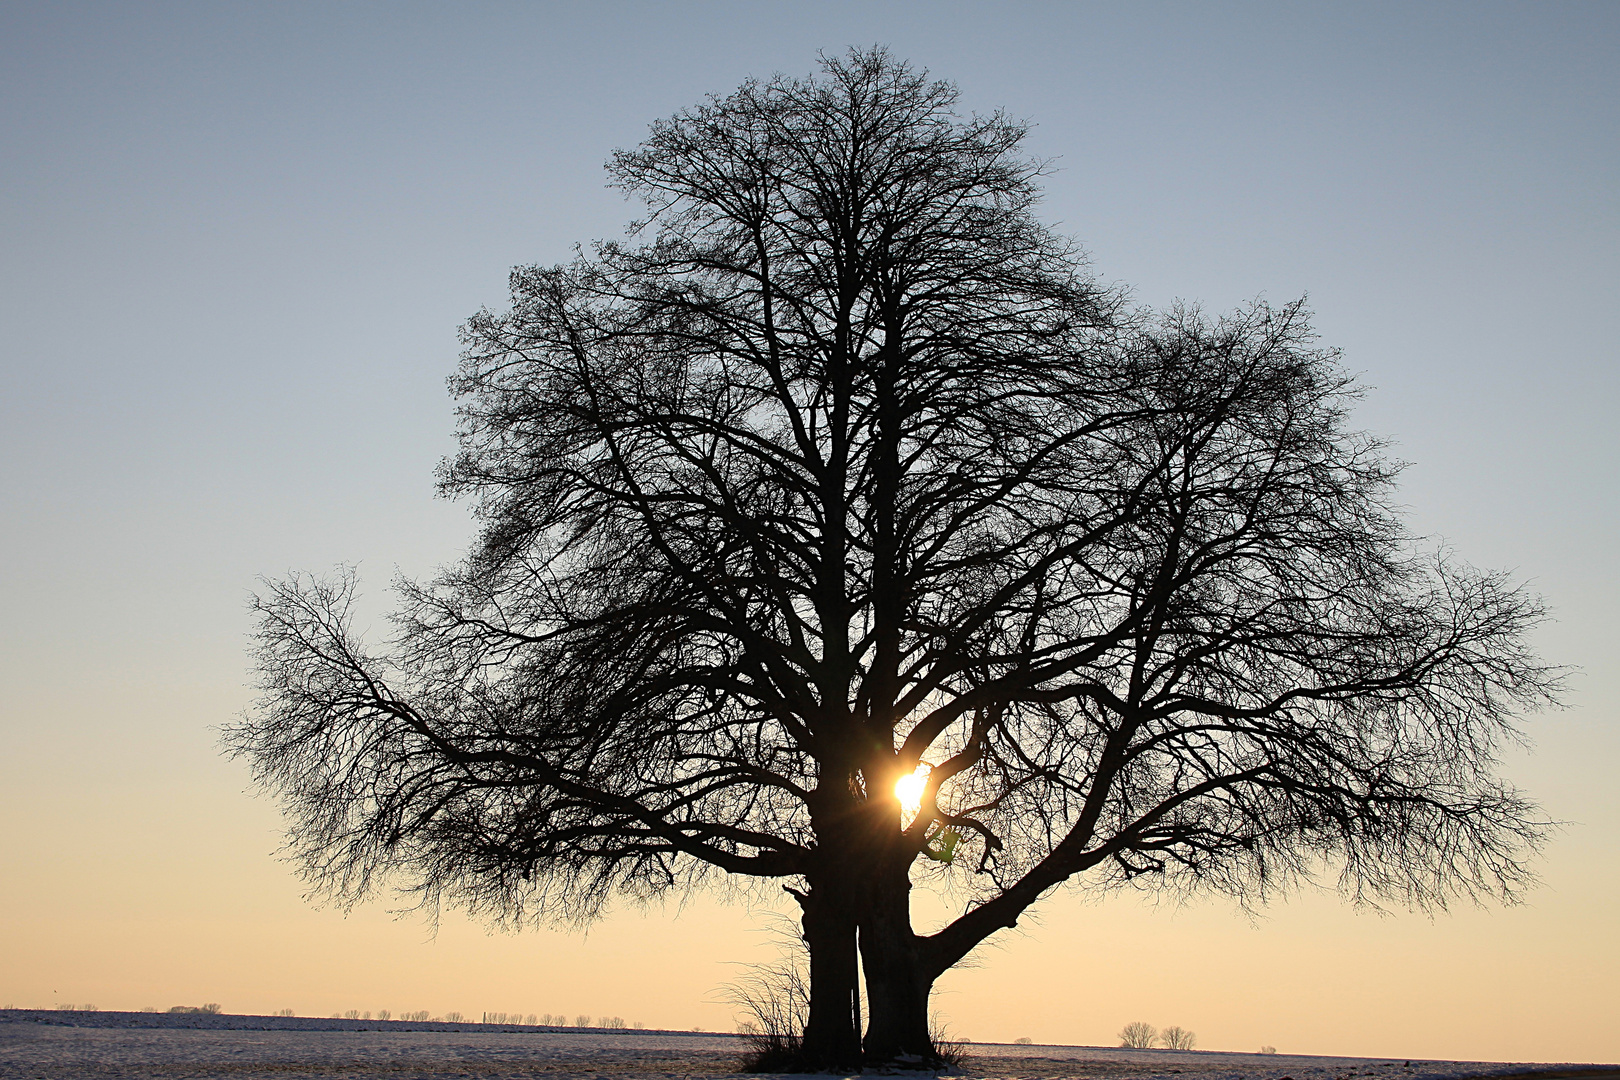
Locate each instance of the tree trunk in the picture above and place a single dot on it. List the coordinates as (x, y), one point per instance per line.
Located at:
(898, 981)
(832, 1035)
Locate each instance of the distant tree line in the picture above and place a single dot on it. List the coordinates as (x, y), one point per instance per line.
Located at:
(1140, 1036)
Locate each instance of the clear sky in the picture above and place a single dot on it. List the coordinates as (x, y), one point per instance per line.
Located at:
(236, 241)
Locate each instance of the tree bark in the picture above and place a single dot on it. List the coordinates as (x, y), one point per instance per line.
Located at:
(898, 977)
(832, 1034)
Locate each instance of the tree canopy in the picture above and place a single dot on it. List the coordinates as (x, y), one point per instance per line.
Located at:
(841, 469)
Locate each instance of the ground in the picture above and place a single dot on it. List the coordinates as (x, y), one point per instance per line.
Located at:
(136, 1046)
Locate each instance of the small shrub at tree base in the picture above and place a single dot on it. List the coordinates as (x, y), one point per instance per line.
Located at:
(949, 1052)
(775, 1002)
(770, 1052)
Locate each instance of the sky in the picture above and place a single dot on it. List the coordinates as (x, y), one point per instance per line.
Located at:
(237, 240)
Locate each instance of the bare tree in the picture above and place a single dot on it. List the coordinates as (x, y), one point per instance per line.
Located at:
(1138, 1035)
(1177, 1038)
(840, 473)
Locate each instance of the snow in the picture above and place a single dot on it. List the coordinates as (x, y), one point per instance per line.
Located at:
(42, 1045)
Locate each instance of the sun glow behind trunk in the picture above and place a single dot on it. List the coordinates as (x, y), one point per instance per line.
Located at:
(909, 790)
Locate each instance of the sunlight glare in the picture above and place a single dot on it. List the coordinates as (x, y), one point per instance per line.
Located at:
(909, 790)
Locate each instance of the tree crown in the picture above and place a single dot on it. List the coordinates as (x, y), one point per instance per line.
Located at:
(842, 468)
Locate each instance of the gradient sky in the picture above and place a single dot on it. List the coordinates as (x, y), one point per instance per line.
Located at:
(238, 240)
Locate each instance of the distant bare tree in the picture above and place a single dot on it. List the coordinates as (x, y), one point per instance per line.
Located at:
(845, 472)
(1138, 1035)
(1177, 1038)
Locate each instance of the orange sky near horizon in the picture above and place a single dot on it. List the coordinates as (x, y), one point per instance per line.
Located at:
(170, 895)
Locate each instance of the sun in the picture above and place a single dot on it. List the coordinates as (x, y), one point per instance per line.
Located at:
(909, 790)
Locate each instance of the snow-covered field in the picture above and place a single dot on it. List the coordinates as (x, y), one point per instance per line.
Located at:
(58, 1046)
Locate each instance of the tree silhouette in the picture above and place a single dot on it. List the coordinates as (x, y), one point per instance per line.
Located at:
(842, 470)
(1138, 1035)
